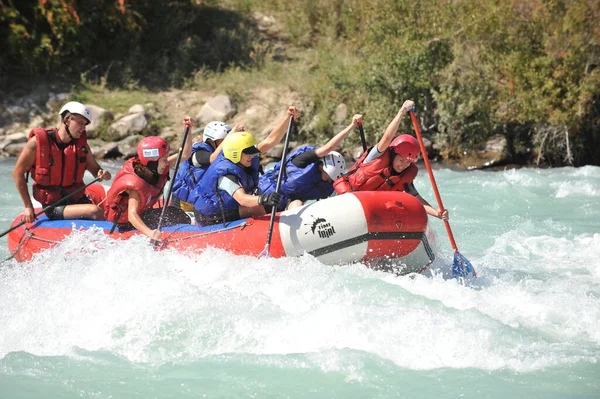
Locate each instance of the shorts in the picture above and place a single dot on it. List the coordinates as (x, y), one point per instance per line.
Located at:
(57, 212)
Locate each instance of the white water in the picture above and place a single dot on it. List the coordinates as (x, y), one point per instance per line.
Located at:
(100, 318)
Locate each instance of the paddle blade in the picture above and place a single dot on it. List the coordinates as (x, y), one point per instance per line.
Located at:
(265, 252)
(461, 267)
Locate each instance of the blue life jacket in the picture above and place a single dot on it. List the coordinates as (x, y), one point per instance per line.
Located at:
(213, 200)
(188, 176)
(297, 183)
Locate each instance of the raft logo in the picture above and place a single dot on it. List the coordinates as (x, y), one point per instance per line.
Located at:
(322, 227)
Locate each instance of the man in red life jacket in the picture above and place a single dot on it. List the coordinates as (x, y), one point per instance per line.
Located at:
(57, 160)
(388, 166)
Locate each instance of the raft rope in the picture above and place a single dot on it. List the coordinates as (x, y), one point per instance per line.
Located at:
(240, 226)
(26, 236)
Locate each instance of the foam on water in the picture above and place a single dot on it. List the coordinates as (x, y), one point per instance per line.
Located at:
(123, 297)
(95, 305)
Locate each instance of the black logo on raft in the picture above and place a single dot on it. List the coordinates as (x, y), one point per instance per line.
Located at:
(322, 227)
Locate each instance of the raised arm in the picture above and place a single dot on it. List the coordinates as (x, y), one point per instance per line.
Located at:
(277, 134)
(337, 139)
(392, 129)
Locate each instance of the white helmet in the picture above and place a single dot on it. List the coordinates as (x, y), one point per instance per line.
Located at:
(216, 131)
(74, 107)
(334, 165)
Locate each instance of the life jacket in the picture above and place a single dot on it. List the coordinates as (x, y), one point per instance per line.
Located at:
(116, 204)
(57, 172)
(376, 175)
(188, 176)
(297, 183)
(211, 200)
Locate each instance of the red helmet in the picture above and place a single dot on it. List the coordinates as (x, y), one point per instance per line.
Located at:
(407, 147)
(151, 149)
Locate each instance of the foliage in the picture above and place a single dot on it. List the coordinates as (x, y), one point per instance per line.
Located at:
(527, 69)
(124, 42)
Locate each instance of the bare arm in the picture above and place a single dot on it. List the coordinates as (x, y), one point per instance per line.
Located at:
(431, 210)
(216, 152)
(134, 218)
(337, 139)
(94, 168)
(244, 199)
(277, 134)
(24, 163)
(392, 128)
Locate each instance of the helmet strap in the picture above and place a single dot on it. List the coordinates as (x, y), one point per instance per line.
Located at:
(67, 129)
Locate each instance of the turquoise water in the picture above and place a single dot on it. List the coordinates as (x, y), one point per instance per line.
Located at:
(97, 318)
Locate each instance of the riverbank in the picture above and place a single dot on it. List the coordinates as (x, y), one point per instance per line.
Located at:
(121, 118)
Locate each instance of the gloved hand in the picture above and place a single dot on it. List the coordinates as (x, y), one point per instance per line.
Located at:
(272, 199)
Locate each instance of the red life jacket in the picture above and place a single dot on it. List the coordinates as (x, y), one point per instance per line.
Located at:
(377, 175)
(116, 203)
(57, 172)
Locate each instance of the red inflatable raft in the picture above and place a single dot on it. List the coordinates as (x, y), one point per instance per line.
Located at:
(377, 228)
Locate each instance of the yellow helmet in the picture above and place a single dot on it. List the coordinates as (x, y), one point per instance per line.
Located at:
(235, 142)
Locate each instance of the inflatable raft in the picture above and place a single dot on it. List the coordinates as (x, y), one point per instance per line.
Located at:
(380, 229)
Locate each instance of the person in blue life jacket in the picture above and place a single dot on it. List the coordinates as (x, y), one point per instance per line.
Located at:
(389, 165)
(228, 186)
(190, 172)
(309, 171)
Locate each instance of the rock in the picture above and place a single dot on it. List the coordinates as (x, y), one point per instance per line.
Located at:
(14, 138)
(494, 152)
(13, 149)
(133, 123)
(136, 109)
(99, 115)
(109, 151)
(36, 121)
(56, 101)
(256, 113)
(496, 143)
(218, 108)
(341, 114)
(130, 142)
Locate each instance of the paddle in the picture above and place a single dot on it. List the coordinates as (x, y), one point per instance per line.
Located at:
(266, 251)
(66, 197)
(461, 267)
(188, 125)
(362, 136)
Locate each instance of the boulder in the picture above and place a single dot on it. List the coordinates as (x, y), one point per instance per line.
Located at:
(132, 123)
(99, 115)
(13, 149)
(14, 138)
(494, 152)
(218, 108)
(136, 109)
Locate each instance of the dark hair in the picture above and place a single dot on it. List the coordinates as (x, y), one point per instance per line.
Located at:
(150, 176)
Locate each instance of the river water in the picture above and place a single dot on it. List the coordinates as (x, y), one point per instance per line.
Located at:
(97, 318)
